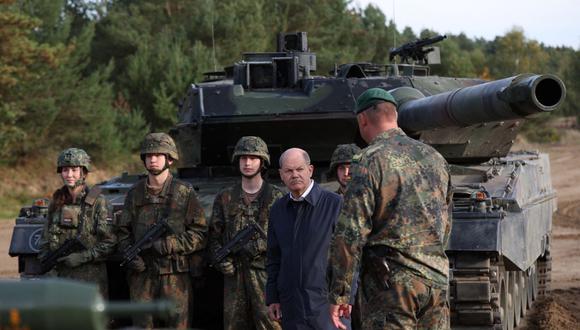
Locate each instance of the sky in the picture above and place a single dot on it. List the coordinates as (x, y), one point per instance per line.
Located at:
(553, 22)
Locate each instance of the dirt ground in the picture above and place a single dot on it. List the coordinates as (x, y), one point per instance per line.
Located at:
(561, 310)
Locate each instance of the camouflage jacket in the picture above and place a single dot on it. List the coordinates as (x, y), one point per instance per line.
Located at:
(230, 214)
(398, 198)
(188, 228)
(87, 218)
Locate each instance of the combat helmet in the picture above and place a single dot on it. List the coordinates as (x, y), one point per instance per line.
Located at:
(73, 157)
(342, 154)
(251, 146)
(159, 143)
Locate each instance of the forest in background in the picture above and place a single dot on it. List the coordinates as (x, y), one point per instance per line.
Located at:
(100, 74)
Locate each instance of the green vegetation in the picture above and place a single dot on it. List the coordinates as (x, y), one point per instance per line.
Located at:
(99, 74)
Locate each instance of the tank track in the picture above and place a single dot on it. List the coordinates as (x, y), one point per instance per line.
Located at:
(483, 294)
(544, 274)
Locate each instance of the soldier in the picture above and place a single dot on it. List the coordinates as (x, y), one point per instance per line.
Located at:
(162, 271)
(395, 225)
(78, 212)
(234, 208)
(340, 164)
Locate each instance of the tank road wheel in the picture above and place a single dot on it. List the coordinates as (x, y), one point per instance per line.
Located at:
(507, 313)
(530, 278)
(516, 296)
(523, 286)
(535, 282)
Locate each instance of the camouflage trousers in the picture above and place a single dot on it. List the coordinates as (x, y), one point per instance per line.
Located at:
(409, 303)
(93, 272)
(148, 286)
(244, 300)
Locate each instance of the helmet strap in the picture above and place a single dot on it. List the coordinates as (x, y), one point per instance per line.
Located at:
(158, 172)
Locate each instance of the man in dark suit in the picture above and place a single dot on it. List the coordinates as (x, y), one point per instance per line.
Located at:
(299, 233)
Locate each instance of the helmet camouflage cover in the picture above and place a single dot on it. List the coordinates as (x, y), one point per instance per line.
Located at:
(251, 146)
(342, 154)
(73, 157)
(159, 143)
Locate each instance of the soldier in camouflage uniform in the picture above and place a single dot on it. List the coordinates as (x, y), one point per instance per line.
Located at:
(340, 168)
(396, 213)
(79, 212)
(162, 271)
(340, 164)
(235, 207)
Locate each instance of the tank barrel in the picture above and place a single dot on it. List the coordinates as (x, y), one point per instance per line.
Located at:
(510, 98)
(161, 308)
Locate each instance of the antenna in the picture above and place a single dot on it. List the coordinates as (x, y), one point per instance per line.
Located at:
(213, 36)
(395, 30)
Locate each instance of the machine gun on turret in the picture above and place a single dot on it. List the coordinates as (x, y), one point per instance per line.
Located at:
(414, 50)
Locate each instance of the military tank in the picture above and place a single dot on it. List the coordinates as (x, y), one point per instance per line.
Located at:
(499, 248)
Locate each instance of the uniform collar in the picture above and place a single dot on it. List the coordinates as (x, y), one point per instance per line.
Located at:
(164, 190)
(388, 134)
(166, 185)
(80, 197)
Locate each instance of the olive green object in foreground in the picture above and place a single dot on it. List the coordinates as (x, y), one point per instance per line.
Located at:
(63, 304)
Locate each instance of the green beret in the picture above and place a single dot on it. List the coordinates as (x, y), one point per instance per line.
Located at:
(371, 97)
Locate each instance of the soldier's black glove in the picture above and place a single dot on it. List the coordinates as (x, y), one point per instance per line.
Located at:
(226, 267)
(137, 264)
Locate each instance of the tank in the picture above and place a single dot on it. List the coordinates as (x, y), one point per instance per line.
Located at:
(64, 304)
(499, 248)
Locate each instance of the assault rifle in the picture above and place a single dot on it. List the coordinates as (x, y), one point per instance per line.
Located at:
(414, 49)
(154, 233)
(240, 239)
(69, 246)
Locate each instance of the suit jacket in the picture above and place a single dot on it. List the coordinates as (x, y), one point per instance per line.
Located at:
(299, 235)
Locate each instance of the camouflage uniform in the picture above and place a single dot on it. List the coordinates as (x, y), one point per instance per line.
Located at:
(166, 274)
(396, 208)
(86, 218)
(342, 155)
(244, 305)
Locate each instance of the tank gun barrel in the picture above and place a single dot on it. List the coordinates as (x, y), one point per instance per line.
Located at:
(160, 308)
(510, 98)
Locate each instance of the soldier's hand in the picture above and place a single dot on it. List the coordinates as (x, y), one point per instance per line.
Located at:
(338, 311)
(137, 264)
(275, 312)
(160, 247)
(74, 259)
(254, 248)
(226, 267)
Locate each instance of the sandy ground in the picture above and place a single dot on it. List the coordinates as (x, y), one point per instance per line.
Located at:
(8, 265)
(561, 310)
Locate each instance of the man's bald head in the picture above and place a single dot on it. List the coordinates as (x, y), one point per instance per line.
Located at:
(294, 152)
